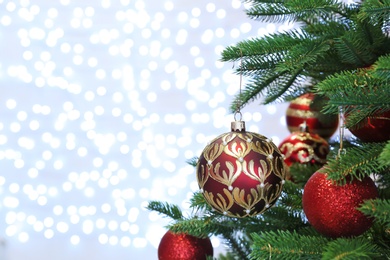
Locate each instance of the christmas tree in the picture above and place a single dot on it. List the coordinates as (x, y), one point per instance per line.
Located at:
(341, 53)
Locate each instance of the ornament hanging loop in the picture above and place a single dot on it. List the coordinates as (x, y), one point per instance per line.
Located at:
(238, 116)
(238, 103)
(342, 150)
(238, 125)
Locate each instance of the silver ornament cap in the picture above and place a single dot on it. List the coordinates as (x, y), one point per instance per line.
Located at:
(238, 126)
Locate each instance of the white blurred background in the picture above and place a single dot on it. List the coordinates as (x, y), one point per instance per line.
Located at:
(101, 105)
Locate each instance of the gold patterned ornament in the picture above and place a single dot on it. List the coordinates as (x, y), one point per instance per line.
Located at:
(307, 108)
(241, 173)
(304, 148)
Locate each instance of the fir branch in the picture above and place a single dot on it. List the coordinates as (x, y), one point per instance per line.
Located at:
(381, 237)
(293, 188)
(376, 11)
(293, 10)
(303, 56)
(225, 227)
(356, 248)
(193, 161)
(300, 173)
(277, 217)
(359, 118)
(170, 210)
(329, 29)
(280, 218)
(382, 68)
(200, 227)
(382, 181)
(279, 63)
(362, 44)
(256, 48)
(349, 52)
(310, 11)
(226, 256)
(286, 51)
(367, 96)
(327, 65)
(291, 197)
(286, 245)
(281, 86)
(271, 12)
(298, 88)
(239, 247)
(384, 157)
(379, 210)
(260, 64)
(255, 88)
(358, 162)
(198, 202)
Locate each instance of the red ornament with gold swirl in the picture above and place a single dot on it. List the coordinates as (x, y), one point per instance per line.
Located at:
(241, 173)
(304, 148)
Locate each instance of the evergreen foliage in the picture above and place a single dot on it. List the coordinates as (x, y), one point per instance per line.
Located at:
(339, 51)
(331, 38)
(358, 162)
(358, 248)
(274, 245)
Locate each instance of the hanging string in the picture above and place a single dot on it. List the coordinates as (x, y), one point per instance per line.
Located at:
(238, 103)
(341, 132)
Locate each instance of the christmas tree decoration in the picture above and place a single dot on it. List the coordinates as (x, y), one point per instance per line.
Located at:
(375, 129)
(304, 148)
(180, 246)
(307, 108)
(332, 209)
(241, 173)
(331, 41)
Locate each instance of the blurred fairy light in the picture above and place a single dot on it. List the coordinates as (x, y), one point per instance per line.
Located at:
(111, 99)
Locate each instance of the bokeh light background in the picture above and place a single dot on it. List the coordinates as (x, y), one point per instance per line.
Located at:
(101, 105)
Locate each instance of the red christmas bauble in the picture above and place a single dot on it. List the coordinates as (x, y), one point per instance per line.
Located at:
(332, 209)
(304, 148)
(241, 173)
(376, 129)
(307, 108)
(180, 246)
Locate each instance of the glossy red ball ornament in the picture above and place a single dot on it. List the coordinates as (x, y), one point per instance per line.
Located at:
(180, 246)
(304, 148)
(332, 209)
(241, 173)
(375, 129)
(307, 108)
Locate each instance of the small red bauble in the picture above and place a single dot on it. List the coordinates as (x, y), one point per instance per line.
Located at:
(332, 209)
(180, 246)
(304, 148)
(307, 108)
(376, 128)
(241, 173)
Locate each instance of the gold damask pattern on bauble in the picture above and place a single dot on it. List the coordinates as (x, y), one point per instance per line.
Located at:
(232, 155)
(311, 147)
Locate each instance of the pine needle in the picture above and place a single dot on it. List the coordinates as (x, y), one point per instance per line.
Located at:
(358, 162)
(379, 210)
(198, 202)
(350, 249)
(384, 157)
(285, 245)
(169, 210)
(193, 161)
